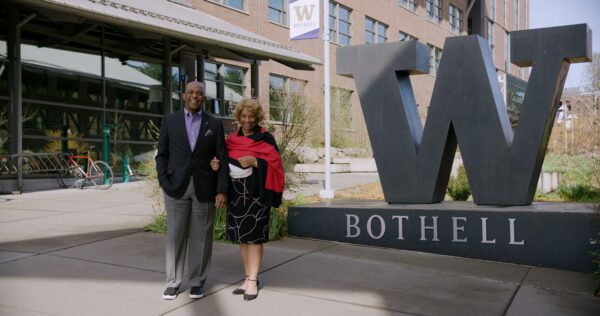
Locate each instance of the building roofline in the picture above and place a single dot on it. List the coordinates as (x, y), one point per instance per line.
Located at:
(180, 22)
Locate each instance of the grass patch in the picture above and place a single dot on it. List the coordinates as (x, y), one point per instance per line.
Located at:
(277, 224)
(576, 168)
(547, 197)
(579, 192)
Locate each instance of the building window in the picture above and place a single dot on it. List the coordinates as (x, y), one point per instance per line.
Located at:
(516, 17)
(435, 55)
(375, 31)
(339, 24)
(434, 10)
(62, 99)
(456, 17)
(225, 87)
(341, 106)
(409, 4)
(491, 36)
(492, 12)
(515, 94)
(521, 73)
(506, 51)
(278, 11)
(284, 95)
(236, 4)
(406, 37)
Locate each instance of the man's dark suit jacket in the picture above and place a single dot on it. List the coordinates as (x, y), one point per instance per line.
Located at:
(176, 163)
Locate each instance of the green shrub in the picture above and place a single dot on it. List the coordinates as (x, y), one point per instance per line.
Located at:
(301, 199)
(220, 229)
(158, 225)
(458, 187)
(278, 222)
(579, 192)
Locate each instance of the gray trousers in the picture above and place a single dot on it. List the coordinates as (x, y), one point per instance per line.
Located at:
(187, 216)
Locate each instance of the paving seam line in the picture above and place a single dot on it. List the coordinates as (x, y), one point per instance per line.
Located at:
(512, 298)
(107, 263)
(263, 271)
(35, 254)
(355, 304)
(24, 309)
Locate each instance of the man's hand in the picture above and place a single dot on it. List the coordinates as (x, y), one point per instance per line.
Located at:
(248, 161)
(215, 164)
(220, 200)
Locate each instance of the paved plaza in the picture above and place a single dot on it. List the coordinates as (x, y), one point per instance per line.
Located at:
(84, 252)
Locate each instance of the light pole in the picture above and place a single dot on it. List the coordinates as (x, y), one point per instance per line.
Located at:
(327, 193)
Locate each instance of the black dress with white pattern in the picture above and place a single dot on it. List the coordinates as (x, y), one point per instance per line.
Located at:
(247, 217)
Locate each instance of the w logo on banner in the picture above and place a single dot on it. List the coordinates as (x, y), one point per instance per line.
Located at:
(304, 19)
(304, 12)
(466, 108)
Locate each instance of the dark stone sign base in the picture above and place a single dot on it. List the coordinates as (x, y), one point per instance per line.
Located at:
(555, 235)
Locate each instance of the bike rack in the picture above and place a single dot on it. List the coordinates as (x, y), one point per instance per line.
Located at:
(33, 163)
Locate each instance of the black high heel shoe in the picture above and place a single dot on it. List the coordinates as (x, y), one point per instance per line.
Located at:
(239, 291)
(249, 297)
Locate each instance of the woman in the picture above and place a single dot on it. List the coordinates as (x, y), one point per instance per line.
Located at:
(256, 185)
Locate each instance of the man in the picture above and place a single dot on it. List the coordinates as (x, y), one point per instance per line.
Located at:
(188, 140)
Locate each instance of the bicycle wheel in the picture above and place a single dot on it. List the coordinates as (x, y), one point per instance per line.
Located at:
(67, 178)
(101, 175)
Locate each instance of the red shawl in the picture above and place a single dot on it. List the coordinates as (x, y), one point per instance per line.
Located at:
(261, 145)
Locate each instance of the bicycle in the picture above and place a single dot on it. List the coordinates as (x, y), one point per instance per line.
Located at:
(97, 172)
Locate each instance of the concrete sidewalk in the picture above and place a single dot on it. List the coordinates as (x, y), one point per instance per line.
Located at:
(83, 252)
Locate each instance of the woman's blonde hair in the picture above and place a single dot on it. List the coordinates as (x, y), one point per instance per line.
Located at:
(253, 106)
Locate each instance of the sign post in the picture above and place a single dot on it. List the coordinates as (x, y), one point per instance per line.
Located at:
(327, 193)
(304, 24)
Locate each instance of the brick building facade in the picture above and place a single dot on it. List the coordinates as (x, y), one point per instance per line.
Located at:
(356, 22)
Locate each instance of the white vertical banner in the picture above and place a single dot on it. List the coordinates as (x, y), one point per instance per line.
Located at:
(304, 19)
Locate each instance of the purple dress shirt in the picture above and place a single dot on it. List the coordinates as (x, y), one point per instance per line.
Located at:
(192, 126)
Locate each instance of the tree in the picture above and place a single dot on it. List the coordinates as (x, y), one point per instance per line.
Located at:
(295, 117)
(577, 129)
(591, 77)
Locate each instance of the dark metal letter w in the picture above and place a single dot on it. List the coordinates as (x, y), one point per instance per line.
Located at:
(466, 107)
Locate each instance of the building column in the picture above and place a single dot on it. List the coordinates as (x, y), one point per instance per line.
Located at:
(189, 67)
(13, 45)
(254, 79)
(200, 68)
(167, 83)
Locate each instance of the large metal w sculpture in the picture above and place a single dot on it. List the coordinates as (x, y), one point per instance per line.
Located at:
(466, 108)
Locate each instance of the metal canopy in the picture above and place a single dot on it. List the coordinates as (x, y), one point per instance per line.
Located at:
(133, 31)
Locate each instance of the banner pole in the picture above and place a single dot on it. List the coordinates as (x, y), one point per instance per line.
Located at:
(327, 193)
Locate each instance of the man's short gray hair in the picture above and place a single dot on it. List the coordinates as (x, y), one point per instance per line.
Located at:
(199, 84)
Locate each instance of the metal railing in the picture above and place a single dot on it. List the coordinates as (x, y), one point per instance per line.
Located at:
(32, 163)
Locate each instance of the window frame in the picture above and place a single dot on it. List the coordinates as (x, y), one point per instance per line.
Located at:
(490, 36)
(409, 4)
(288, 83)
(506, 52)
(434, 11)
(435, 56)
(283, 15)
(225, 3)
(334, 33)
(374, 33)
(407, 37)
(224, 110)
(455, 17)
